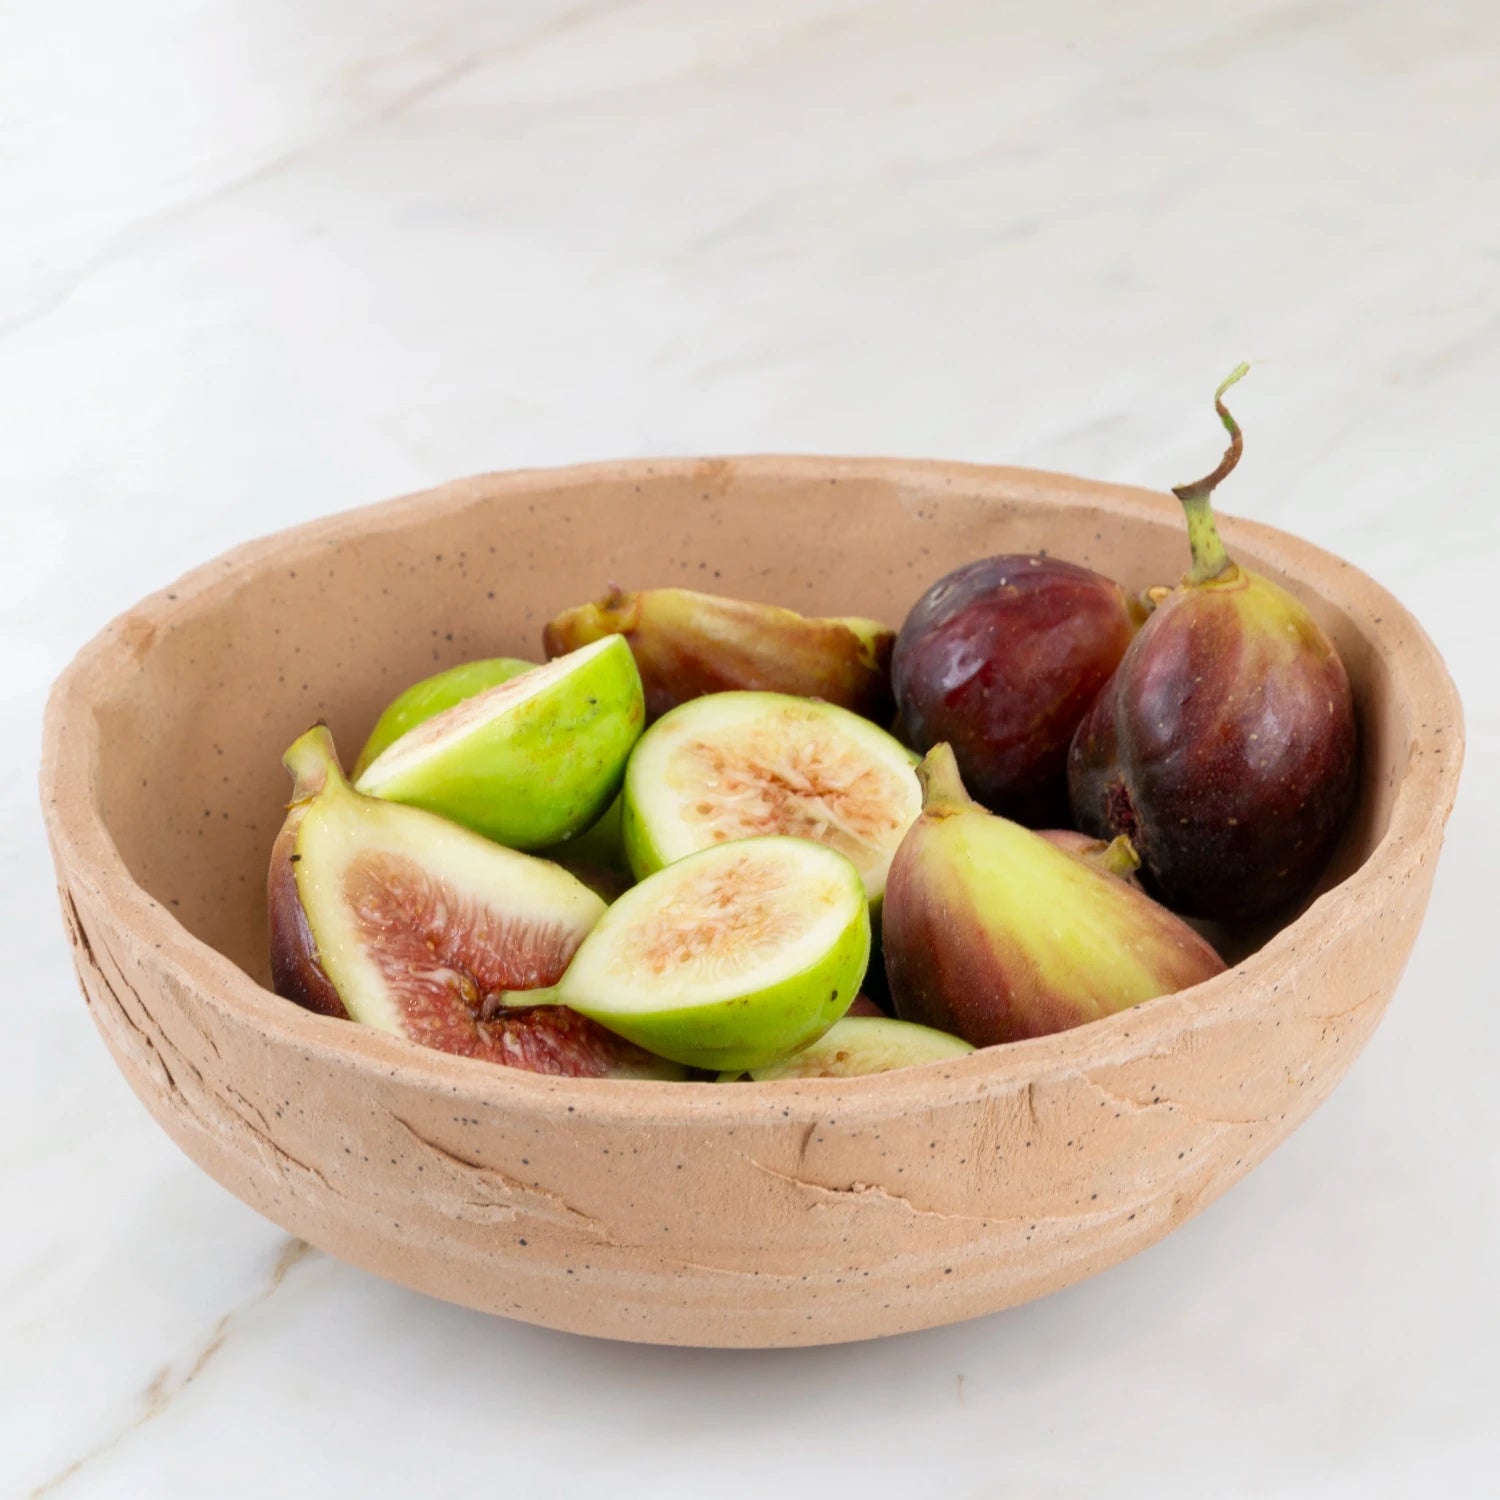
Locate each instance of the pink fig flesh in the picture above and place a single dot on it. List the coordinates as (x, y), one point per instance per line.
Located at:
(401, 920)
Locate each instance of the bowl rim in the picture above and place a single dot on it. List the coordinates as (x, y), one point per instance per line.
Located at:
(87, 858)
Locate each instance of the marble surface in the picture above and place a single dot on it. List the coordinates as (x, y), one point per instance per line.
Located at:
(262, 261)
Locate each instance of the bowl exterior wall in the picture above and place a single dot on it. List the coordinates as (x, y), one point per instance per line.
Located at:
(755, 1215)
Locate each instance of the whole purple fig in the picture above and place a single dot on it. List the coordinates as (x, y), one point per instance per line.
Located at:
(1000, 659)
(1225, 744)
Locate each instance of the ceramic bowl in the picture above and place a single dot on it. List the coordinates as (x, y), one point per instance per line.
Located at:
(771, 1214)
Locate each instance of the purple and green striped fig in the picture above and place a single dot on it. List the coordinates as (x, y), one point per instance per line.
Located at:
(688, 644)
(995, 933)
(1225, 744)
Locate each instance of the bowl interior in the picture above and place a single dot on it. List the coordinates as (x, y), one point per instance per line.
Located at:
(329, 622)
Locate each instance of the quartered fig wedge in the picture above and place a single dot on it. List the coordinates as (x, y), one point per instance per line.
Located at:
(688, 644)
(728, 958)
(735, 765)
(432, 695)
(529, 762)
(408, 923)
(858, 1045)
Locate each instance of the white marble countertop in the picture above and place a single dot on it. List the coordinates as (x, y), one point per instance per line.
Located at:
(264, 260)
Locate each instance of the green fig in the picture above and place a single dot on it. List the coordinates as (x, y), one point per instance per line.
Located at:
(431, 696)
(529, 762)
(859, 1045)
(734, 765)
(1225, 745)
(728, 959)
(688, 644)
(995, 933)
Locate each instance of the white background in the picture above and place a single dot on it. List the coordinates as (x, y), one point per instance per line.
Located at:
(262, 260)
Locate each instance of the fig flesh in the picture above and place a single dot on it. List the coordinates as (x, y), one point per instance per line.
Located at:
(1225, 745)
(727, 959)
(1001, 659)
(687, 644)
(995, 934)
(860, 1045)
(529, 762)
(736, 765)
(406, 922)
(432, 695)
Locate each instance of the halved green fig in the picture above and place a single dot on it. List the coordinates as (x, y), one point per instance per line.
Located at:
(529, 762)
(687, 644)
(858, 1045)
(728, 958)
(408, 923)
(736, 765)
(431, 696)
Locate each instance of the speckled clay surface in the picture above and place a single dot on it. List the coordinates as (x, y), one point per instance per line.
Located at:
(774, 1214)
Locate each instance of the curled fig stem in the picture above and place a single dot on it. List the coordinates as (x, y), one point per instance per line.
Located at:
(1210, 560)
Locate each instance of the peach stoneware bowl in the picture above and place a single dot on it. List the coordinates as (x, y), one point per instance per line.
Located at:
(802, 1212)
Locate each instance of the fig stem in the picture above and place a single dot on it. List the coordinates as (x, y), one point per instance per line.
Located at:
(943, 793)
(498, 1000)
(314, 763)
(1210, 560)
(1119, 858)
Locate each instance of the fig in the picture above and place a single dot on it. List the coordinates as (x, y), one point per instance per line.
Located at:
(734, 765)
(602, 843)
(687, 644)
(1225, 744)
(728, 958)
(529, 762)
(404, 921)
(863, 1044)
(1115, 856)
(1000, 659)
(995, 934)
(431, 696)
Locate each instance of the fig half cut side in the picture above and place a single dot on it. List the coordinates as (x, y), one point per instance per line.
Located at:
(738, 765)
(406, 922)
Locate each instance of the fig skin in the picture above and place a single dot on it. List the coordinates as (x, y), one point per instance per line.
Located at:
(860, 1045)
(1000, 659)
(544, 1039)
(995, 934)
(434, 695)
(1225, 746)
(688, 644)
(530, 762)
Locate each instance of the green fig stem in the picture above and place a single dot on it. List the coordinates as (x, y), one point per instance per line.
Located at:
(943, 793)
(500, 1000)
(1210, 560)
(1118, 858)
(314, 764)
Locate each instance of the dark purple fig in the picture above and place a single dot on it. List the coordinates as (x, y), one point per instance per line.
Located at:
(406, 922)
(1225, 744)
(688, 644)
(1001, 659)
(995, 933)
